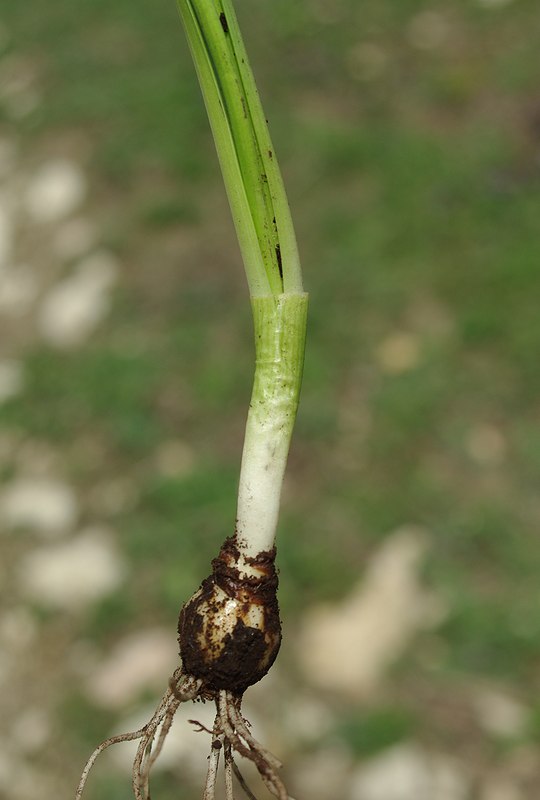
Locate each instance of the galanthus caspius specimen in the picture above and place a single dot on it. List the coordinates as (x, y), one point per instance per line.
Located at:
(229, 631)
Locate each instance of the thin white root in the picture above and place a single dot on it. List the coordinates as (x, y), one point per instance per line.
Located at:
(211, 775)
(229, 789)
(153, 756)
(181, 688)
(242, 729)
(241, 740)
(230, 733)
(122, 737)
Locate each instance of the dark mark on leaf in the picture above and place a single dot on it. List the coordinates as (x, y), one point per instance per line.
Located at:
(278, 256)
(224, 23)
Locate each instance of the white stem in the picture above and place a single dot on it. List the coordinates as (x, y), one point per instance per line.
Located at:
(280, 324)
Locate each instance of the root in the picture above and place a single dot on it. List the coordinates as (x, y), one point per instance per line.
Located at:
(213, 763)
(185, 688)
(243, 742)
(230, 734)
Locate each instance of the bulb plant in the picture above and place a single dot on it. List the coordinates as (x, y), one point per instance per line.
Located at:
(229, 632)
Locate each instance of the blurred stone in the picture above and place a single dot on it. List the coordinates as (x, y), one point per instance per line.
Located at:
(11, 379)
(56, 190)
(428, 30)
(73, 309)
(31, 730)
(406, 772)
(399, 352)
(72, 575)
(140, 661)
(349, 646)
(18, 290)
(46, 505)
(500, 714)
(486, 445)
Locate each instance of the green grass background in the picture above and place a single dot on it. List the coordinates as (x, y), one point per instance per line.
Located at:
(416, 193)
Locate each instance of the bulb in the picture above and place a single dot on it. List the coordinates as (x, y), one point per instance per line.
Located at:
(230, 631)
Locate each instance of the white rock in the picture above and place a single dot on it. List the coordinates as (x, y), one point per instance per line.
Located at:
(348, 647)
(31, 730)
(73, 309)
(18, 290)
(72, 575)
(56, 190)
(500, 714)
(142, 660)
(405, 772)
(46, 505)
(11, 379)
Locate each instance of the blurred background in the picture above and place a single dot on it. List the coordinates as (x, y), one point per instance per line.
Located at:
(409, 544)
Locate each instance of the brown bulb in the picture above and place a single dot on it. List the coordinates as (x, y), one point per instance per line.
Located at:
(230, 631)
